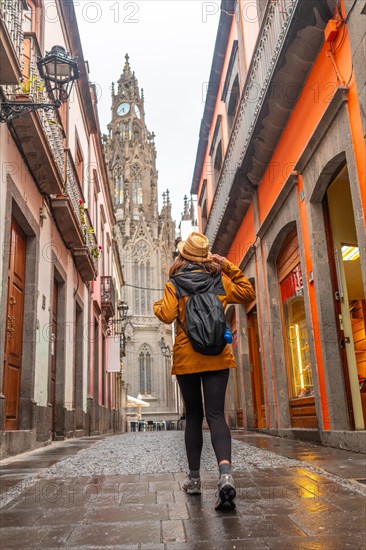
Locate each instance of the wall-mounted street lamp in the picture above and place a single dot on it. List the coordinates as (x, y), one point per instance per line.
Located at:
(164, 348)
(123, 310)
(59, 71)
(120, 324)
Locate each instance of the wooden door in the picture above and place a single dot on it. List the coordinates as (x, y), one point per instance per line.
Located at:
(256, 371)
(53, 357)
(14, 327)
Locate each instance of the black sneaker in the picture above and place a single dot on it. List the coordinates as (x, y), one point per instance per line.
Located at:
(226, 493)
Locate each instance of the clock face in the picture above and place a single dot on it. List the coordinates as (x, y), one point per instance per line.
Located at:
(123, 109)
(137, 111)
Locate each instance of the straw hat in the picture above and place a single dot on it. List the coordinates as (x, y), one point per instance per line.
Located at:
(195, 248)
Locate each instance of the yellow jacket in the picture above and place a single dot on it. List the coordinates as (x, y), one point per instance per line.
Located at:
(185, 360)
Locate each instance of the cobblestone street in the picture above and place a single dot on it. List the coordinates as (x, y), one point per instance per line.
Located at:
(124, 492)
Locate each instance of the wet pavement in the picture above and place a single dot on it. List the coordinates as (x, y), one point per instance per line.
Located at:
(289, 495)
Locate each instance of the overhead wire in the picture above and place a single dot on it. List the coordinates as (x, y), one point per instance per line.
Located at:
(144, 287)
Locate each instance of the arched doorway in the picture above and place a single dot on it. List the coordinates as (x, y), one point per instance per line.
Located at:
(348, 291)
(296, 335)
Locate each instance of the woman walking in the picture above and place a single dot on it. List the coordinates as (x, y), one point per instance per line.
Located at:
(196, 271)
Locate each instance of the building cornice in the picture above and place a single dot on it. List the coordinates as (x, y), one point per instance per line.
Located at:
(101, 160)
(72, 31)
(213, 88)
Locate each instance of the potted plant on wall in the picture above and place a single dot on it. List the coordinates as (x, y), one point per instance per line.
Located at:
(62, 195)
(94, 250)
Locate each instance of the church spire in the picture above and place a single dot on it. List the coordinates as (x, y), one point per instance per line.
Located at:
(127, 68)
(185, 215)
(128, 87)
(191, 209)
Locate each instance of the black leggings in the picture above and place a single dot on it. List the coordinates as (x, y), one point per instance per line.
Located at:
(214, 387)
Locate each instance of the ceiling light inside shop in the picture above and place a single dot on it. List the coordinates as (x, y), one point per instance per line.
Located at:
(350, 253)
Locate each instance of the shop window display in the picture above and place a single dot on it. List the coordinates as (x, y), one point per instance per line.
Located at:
(296, 334)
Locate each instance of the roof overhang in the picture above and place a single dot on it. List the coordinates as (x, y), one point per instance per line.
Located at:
(72, 30)
(301, 43)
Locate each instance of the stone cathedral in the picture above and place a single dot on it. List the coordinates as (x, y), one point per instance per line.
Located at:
(146, 244)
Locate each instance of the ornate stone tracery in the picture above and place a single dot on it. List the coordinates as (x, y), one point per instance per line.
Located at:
(141, 253)
(145, 240)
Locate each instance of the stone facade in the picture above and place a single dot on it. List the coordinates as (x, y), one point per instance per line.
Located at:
(146, 243)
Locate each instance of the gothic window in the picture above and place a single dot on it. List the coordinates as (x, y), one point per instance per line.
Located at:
(136, 132)
(137, 292)
(145, 365)
(142, 274)
(125, 132)
(118, 185)
(148, 292)
(136, 183)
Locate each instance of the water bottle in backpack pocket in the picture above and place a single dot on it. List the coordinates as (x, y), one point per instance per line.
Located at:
(228, 335)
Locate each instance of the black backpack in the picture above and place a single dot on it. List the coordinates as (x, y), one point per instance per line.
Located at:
(205, 318)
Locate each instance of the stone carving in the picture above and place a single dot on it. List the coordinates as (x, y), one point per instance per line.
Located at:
(141, 252)
(144, 320)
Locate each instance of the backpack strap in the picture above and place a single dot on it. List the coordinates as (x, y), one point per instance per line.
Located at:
(182, 326)
(178, 290)
(217, 286)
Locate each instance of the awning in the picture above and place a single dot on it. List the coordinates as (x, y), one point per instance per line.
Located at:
(134, 402)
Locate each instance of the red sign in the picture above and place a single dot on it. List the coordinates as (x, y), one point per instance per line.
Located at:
(292, 285)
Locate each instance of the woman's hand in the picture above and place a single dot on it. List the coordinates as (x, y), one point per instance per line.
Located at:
(218, 259)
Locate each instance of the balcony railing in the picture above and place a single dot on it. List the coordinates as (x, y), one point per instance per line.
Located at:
(11, 13)
(33, 89)
(107, 295)
(273, 31)
(53, 166)
(74, 223)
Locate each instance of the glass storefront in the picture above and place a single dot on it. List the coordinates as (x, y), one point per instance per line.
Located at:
(296, 335)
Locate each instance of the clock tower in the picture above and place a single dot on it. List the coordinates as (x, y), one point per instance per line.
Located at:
(146, 240)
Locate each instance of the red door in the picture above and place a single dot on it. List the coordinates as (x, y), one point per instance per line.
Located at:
(53, 358)
(14, 327)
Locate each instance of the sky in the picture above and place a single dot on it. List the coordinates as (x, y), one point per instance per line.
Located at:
(170, 44)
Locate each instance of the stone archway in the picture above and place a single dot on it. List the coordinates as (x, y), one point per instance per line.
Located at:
(328, 160)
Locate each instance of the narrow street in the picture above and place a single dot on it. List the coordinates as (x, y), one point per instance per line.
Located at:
(124, 492)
